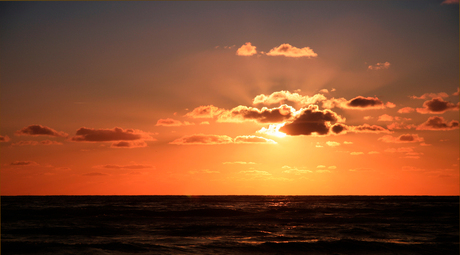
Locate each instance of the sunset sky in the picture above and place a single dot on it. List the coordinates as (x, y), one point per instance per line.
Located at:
(230, 98)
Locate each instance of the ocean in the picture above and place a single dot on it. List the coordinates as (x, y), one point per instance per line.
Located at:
(230, 225)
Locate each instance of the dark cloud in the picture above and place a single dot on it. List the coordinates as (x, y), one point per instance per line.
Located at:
(129, 144)
(310, 121)
(365, 102)
(105, 135)
(24, 163)
(406, 138)
(4, 139)
(438, 123)
(264, 115)
(437, 106)
(36, 130)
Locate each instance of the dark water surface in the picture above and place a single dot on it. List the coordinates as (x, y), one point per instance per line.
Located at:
(229, 225)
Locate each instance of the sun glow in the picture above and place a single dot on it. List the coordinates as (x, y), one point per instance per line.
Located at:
(273, 130)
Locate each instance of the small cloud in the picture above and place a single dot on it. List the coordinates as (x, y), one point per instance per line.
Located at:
(390, 105)
(295, 171)
(288, 50)
(456, 93)
(4, 139)
(255, 172)
(357, 103)
(246, 50)
(438, 123)
(437, 106)
(368, 117)
(401, 149)
(396, 125)
(239, 162)
(204, 123)
(95, 174)
(406, 110)
(106, 135)
(321, 166)
(430, 95)
(49, 142)
(22, 143)
(366, 128)
(385, 117)
(332, 144)
(205, 111)
(373, 152)
(379, 66)
(251, 139)
(325, 91)
(406, 138)
(265, 115)
(202, 139)
(332, 167)
(129, 144)
(172, 123)
(345, 142)
(38, 130)
(357, 153)
(24, 163)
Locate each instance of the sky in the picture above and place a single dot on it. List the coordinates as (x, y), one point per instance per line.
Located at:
(229, 98)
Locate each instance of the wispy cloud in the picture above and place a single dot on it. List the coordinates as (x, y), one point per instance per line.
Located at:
(379, 66)
(205, 111)
(39, 130)
(132, 166)
(406, 110)
(106, 135)
(430, 95)
(202, 139)
(173, 123)
(24, 163)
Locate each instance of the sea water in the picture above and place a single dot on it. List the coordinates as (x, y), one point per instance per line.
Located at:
(229, 225)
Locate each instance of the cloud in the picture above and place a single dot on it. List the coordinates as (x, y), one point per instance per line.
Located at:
(321, 166)
(385, 117)
(401, 125)
(24, 163)
(456, 93)
(106, 135)
(357, 103)
(366, 128)
(265, 115)
(437, 105)
(45, 142)
(406, 138)
(345, 142)
(356, 153)
(132, 166)
(282, 96)
(332, 144)
(202, 139)
(221, 139)
(253, 139)
(239, 162)
(373, 152)
(430, 95)
(406, 110)
(438, 123)
(332, 167)
(294, 170)
(36, 130)
(172, 123)
(4, 139)
(94, 174)
(325, 91)
(311, 121)
(379, 66)
(129, 144)
(450, 2)
(205, 111)
(246, 50)
(288, 50)
(273, 130)
(255, 172)
(204, 123)
(401, 149)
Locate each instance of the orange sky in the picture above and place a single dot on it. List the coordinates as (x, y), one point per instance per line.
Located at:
(229, 98)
